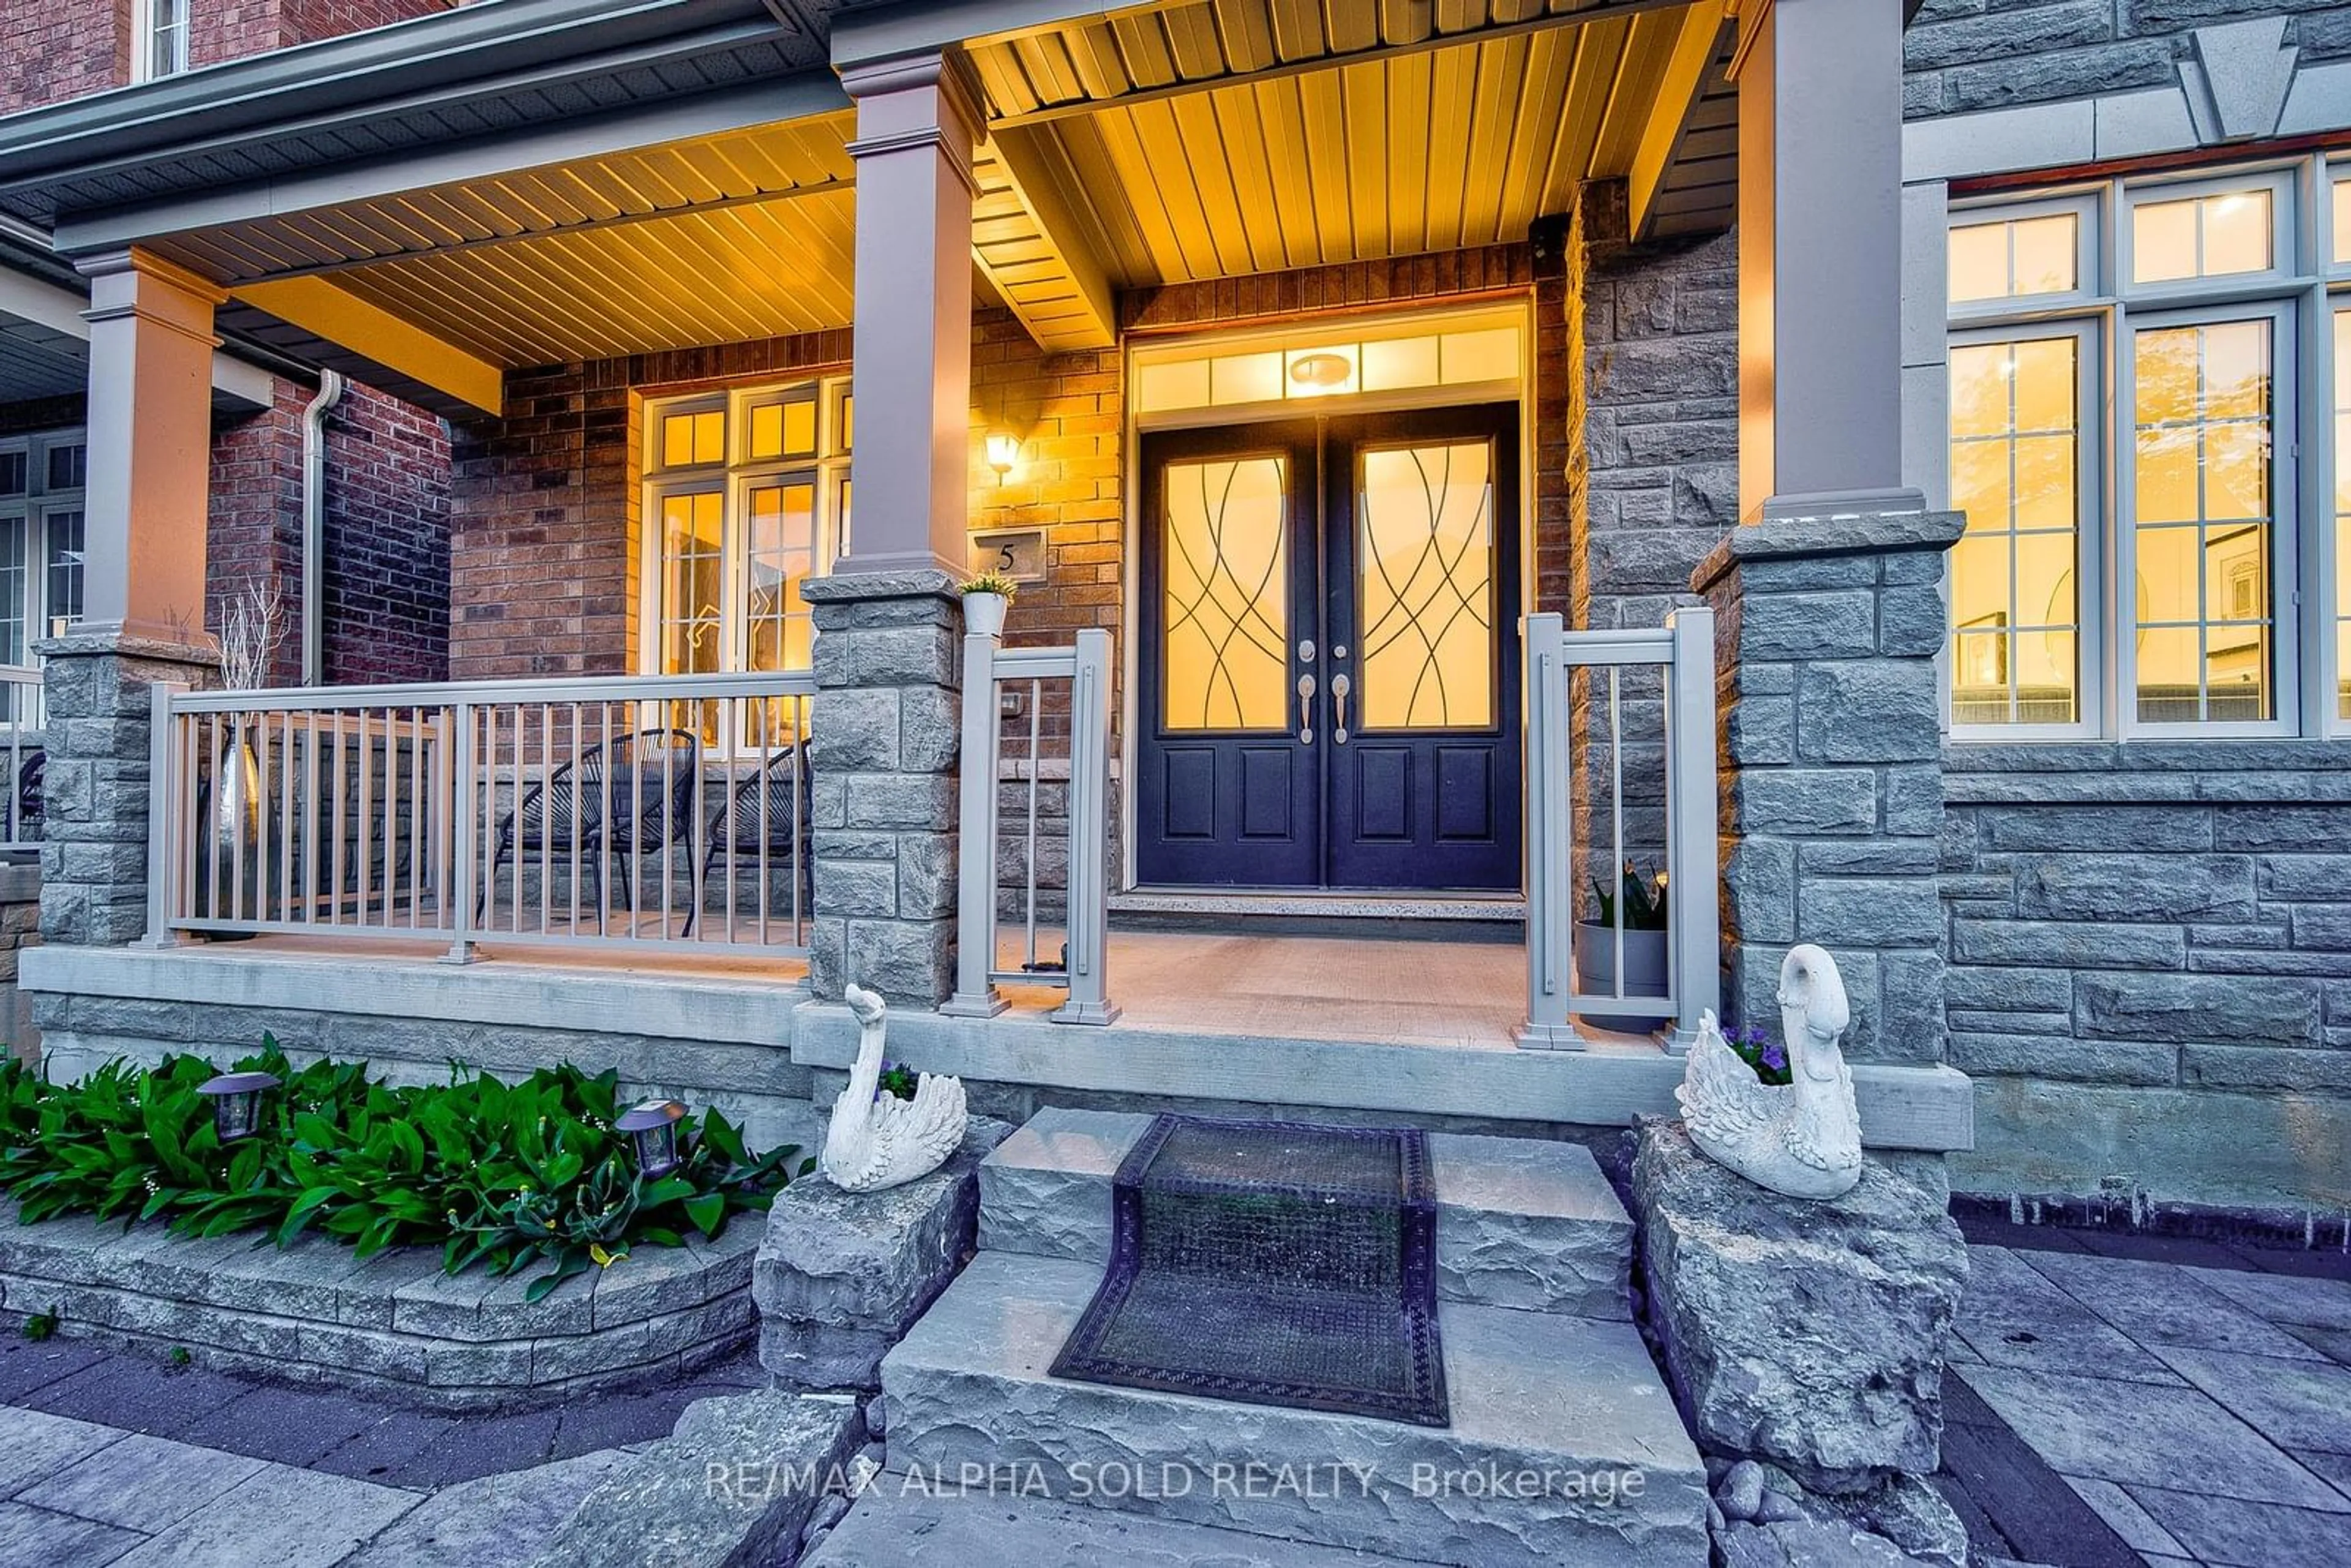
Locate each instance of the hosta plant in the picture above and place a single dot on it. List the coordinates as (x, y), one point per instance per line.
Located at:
(504, 1177)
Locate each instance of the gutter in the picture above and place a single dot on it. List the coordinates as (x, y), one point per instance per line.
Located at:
(313, 525)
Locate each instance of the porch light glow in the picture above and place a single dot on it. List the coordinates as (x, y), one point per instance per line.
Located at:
(1321, 372)
(653, 1127)
(236, 1102)
(1003, 454)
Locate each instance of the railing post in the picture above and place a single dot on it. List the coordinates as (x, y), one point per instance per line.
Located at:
(1693, 847)
(464, 811)
(1550, 872)
(976, 994)
(163, 816)
(1089, 879)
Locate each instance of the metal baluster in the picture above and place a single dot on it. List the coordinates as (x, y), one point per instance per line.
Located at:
(1036, 768)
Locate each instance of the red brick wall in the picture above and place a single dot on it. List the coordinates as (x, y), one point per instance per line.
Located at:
(55, 49)
(51, 50)
(387, 533)
(230, 30)
(387, 558)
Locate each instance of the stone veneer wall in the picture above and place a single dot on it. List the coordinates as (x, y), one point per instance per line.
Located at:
(1962, 56)
(2151, 966)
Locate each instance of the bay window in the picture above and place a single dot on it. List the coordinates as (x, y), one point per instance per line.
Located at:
(2128, 362)
(745, 496)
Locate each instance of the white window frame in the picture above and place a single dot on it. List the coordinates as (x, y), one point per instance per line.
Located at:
(35, 509)
(2300, 291)
(144, 21)
(2091, 579)
(2287, 639)
(733, 477)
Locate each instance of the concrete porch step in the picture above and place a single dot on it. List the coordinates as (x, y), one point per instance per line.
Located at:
(1565, 1447)
(1521, 1222)
(903, 1522)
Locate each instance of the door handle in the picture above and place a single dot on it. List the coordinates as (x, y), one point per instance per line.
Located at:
(1306, 709)
(1340, 687)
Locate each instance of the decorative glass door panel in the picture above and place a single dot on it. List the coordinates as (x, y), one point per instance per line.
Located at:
(1224, 604)
(1425, 542)
(1329, 668)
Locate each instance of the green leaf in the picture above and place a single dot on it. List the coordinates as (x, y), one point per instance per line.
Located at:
(708, 1212)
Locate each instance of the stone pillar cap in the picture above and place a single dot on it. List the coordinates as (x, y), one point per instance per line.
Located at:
(1809, 539)
(842, 587)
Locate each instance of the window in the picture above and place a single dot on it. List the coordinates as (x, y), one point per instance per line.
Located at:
(2127, 363)
(747, 496)
(1474, 351)
(41, 480)
(160, 28)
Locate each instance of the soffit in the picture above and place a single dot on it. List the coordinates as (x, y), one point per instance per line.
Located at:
(1410, 151)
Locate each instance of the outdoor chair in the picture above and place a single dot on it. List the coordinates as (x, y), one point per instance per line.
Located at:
(765, 816)
(31, 812)
(623, 801)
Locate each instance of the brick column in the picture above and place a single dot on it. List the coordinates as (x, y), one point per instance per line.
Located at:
(882, 765)
(1833, 795)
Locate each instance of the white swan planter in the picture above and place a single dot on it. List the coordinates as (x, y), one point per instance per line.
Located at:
(879, 1141)
(1803, 1137)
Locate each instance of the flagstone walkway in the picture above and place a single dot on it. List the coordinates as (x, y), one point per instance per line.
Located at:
(2116, 1401)
(2121, 1399)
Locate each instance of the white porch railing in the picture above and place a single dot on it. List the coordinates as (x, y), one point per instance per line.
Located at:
(1578, 740)
(23, 713)
(659, 812)
(990, 673)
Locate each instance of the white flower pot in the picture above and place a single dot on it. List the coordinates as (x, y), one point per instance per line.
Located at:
(985, 613)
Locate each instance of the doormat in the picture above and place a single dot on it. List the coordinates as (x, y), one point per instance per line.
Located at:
(1274, 1263)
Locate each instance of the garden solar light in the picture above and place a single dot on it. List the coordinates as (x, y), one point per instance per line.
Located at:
(653, 1126)
(236, 1102)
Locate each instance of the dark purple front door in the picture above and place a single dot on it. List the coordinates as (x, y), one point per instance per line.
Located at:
(1329, 693)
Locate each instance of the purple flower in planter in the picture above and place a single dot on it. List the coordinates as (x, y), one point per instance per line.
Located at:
(1775, 1059)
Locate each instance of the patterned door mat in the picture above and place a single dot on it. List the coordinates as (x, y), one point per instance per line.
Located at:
(1272, 1262)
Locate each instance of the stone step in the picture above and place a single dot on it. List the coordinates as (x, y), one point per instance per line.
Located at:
(901, 1522)
(1553, 1417)
(1521, 1222)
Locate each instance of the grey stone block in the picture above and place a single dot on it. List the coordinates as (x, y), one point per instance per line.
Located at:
(1868, 710)
(732, 1486)
(1875, 1275)
(1804, 801)
(2198, 1007)
(1531, 1393)
(900, 1522)
(1521, 1222)
(1838, 625)
(849, 1272)
(2079, 945)
(1869, 912)
(2135, 887)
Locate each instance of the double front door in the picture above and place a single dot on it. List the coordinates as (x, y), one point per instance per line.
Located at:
(1329, 669)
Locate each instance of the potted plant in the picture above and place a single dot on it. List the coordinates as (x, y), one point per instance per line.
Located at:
(1642, 900)
(986, 598)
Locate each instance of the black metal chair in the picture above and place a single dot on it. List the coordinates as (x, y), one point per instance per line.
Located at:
(765, 821)
(607, 811)
(32, 811)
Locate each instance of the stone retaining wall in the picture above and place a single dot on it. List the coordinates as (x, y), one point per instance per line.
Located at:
(396, 1323)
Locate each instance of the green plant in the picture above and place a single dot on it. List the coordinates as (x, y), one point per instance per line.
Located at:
(41, 1325)
(180, 1356)
(506, 1176)
(1756, 1049)
(1644, 900)
(991, 582)
(896, 1080)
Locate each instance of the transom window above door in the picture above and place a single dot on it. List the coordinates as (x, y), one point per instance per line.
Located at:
(746, 497)
(2136, 438)
(1457, 356)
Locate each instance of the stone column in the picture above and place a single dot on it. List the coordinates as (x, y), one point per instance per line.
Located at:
(1820, 258)
(151, 348)
(882, 764)
(911, 466)
(1830, 734)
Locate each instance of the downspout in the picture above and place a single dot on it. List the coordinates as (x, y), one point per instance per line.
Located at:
(313, 525)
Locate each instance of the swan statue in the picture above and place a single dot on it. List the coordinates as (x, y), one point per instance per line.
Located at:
(1803, 1137)
(877, 1141)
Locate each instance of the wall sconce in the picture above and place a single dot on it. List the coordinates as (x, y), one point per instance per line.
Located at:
(653, 1127)
(236, 1102)
(1003, 454)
